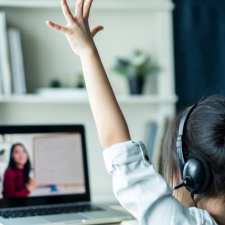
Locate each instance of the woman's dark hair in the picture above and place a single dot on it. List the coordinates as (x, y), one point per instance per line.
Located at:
(12, 163)
(204, 137)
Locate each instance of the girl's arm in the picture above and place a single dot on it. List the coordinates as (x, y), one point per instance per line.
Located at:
(111, 125)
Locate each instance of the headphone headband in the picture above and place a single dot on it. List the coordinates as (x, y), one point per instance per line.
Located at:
(194, 171)
(181, 130)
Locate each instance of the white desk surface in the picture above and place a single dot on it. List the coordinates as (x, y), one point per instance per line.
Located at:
(126, 222)
(129, 222)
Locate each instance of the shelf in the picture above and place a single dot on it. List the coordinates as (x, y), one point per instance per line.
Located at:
(98, 4)
(38, 99)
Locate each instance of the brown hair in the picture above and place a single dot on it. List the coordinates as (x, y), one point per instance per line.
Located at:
(204, 137)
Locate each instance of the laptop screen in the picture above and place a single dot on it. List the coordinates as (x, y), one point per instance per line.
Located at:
(42, 161)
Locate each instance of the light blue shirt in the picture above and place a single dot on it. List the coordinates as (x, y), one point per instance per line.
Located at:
(143, 192)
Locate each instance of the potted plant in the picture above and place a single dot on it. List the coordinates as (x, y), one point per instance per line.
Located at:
(136, 69)
(2, 155)
(80, 81)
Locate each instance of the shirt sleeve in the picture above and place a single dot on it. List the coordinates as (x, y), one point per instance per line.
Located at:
(143, 192)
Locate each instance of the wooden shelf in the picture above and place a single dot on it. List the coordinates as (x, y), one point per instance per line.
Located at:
(98, 4)
(39, 99)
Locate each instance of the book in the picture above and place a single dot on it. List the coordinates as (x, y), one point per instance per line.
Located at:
(17, 62)
(155, 136)
(164, 143)
(1, 90)
(151, 132)
(5, 73)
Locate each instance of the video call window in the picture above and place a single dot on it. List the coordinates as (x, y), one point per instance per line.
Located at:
(41, 165)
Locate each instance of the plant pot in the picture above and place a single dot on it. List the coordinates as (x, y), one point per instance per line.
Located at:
(136, 84)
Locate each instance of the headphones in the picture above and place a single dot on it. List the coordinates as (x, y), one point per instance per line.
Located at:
(194, 171)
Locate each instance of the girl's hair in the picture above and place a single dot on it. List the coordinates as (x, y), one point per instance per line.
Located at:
(204, 137)
(12, 163)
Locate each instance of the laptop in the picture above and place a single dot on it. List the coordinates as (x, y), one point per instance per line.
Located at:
(44, 178)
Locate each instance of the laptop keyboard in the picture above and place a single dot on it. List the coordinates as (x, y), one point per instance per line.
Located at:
(48, 210)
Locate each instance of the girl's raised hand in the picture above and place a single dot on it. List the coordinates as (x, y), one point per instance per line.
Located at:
(77, 30)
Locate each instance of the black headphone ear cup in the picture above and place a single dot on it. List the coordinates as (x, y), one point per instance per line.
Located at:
(196, 175)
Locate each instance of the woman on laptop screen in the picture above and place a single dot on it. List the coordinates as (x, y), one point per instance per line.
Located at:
(17, 181)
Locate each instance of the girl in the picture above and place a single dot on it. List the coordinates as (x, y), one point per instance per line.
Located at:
(138, 187)
(17, 182)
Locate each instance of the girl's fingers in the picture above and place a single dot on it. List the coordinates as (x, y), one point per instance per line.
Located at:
(79, 8)
(86, 9)
(57, 27)
(96, 29)
(66, 11)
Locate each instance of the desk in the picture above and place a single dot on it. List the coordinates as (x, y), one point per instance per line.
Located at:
(125, 222)
(129, 222)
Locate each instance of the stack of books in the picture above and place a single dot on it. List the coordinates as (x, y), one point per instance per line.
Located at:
(12, 74)
(157, 132)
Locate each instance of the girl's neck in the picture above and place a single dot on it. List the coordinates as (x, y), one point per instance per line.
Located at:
(20, 166)
(215, 207)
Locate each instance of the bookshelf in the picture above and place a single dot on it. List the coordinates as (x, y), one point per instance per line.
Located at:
(152, 20)
(157, 39)
(130, 100)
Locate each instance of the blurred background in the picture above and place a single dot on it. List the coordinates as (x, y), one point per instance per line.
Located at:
(160, 56)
